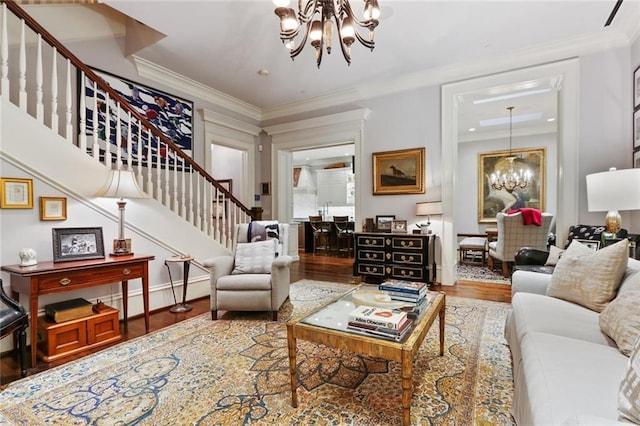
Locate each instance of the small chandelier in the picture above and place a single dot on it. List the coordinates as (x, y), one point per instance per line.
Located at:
(314, 21)
(511, 180)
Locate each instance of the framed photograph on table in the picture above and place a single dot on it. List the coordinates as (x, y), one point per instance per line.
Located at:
(53, 208)
(399, 226)
(592, 244)
(636, 159)
(492, 201)
(384, 222)
(77, 244)
(16, 193)
(399, 172)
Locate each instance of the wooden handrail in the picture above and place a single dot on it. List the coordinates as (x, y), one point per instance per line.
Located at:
(52, 41)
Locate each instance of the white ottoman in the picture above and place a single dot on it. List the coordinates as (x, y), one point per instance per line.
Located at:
(473, 250)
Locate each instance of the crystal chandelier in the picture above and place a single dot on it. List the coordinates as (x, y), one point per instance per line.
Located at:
(510, 180)
(316, 19)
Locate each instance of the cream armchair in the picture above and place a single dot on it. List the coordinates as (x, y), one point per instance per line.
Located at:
(513, 234)
(265, 291)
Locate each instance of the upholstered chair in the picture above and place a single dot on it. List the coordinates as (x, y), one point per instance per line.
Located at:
(514, 234)
(15, 320)
(251, 278)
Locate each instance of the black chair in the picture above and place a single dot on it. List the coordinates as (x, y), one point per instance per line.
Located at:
(321, 234)
(344, 235)
(15, 320)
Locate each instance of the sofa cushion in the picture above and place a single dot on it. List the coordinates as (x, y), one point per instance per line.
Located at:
(629, 398)
(562, 377)
(620, 320)
(555, 254)
(535, 312)
(589, 278)
(254, 258)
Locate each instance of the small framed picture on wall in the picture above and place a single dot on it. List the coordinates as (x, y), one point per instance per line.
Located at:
(636, 129)
(636, 88)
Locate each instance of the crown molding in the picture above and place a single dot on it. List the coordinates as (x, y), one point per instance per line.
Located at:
(540, 54)
(229, 122)
(169, 78)
(608, 38)
(354, 116)
(328, 100)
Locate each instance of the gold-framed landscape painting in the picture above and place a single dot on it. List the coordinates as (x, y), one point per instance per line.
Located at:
(492, 201)
(399, 172)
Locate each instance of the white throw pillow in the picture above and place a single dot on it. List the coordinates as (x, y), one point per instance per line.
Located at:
(620, 320)
(555, 253)
(629, 395)
(254, 258)
(589, 278)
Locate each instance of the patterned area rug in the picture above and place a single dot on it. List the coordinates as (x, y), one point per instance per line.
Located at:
(480, 273)
(235, 371)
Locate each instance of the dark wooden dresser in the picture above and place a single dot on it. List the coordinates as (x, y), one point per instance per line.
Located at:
(398, 256)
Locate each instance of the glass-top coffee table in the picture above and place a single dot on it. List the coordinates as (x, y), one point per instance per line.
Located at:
(328, 325)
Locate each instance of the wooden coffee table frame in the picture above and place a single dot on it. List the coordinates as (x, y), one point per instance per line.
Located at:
(403, 352)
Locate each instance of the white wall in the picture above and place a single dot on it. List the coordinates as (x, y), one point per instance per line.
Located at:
(402, 121)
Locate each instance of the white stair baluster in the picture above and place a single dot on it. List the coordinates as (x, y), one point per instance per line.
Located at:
(54, 92)
(107, 131)
(4, 54)
(95, 151)
(22, 70)
(68, 105)
(39, 82)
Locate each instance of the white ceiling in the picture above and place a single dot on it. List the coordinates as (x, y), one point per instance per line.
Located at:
(223, 45)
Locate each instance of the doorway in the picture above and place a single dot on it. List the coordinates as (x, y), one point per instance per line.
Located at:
(565, 74)
(323, 182)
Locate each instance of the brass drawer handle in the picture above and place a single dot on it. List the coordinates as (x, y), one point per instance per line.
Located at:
(407, 243)
(126, 271)
(405, 274)
(65, 281)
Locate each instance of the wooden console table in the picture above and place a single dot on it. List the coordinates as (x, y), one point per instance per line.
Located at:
(48, 277)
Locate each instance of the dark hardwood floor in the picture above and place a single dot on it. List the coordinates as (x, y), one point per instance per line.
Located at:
(318, 267)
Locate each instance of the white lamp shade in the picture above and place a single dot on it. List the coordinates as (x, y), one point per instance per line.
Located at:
(614, 190)
(121, 184)
(429, 208)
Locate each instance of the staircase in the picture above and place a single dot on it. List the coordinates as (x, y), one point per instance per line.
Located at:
(98, 130)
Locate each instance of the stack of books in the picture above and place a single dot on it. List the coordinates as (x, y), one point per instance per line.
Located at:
(380, 322)
(408, 291)
(414, 293)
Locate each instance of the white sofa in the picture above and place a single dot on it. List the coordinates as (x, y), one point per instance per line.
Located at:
(566, 371)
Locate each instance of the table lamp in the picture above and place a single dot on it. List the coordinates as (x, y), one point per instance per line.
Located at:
(612, 191)
(428, 208)
(121, 184)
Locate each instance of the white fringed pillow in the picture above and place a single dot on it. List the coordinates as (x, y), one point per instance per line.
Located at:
(254, 258)
(589, 278)
(555, 253)
(620, 320)
(629, 395)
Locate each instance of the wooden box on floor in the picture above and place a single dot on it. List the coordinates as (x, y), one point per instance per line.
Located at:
(58, 340)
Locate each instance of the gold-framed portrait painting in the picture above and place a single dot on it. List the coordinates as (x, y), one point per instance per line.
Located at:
(492, 201)
(399, 172)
